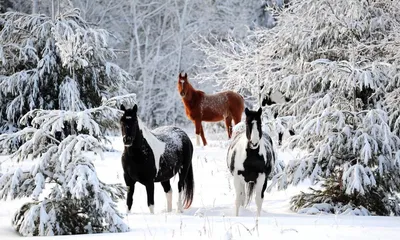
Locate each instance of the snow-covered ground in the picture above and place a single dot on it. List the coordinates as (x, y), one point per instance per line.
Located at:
(211, 214)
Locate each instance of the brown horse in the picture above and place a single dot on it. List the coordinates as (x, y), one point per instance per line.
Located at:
(200, 107)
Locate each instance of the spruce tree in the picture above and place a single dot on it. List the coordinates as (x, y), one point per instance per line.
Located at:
(58, 96)
(53, 63)
(76, 201)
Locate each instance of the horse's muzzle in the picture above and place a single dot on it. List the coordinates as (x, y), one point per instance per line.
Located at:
(254, 145)
(183, 94)
(127, 141)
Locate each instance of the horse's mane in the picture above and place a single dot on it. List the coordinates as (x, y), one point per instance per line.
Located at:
(197, 95)
(157, 146)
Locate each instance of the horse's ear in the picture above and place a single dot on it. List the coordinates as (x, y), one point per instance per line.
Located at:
(246, 111)
(135, 108)
(122, 107)
(180, 75)
(259, 111)
(185, 75)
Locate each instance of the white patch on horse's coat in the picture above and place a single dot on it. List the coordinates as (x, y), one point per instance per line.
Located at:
(128, 117)
(182, 81)
(169, 200)
(157, 146)
(277, 97)
(151, 207)
(258, 189)
(180, 204)
(254, 137)
(240, 149)
(239, 188)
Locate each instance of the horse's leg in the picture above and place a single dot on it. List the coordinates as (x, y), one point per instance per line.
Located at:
(150, 196)
(237, 118)
(228, 124)
(200, 132)
(180, 196)
(202, 135)
(168, 191)
(240, 197)
(260, 189)
(197, 125)
(131, 189)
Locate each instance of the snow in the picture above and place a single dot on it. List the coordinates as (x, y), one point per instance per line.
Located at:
(211, 215)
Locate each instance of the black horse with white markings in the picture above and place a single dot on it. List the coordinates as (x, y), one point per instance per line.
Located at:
(156, 156)
(250, 159)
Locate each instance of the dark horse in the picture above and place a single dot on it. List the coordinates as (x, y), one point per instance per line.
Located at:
(200, 107)
(250, 159)
(156, 156)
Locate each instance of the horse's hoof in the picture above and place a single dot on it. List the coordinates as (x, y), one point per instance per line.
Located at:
(128, 211)
(151, 208)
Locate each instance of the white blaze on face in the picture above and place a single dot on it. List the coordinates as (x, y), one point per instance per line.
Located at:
(255, 135)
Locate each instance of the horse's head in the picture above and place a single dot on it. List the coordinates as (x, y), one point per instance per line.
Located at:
(129, 125)
(253, 127)
(183, 85)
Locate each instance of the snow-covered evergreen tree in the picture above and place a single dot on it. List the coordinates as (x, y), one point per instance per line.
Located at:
(54, 63)
(338, 63)
(68, 197)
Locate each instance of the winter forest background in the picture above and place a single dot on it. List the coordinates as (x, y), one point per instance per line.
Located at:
(67, 65)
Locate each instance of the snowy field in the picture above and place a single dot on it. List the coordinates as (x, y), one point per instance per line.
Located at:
(211, 214)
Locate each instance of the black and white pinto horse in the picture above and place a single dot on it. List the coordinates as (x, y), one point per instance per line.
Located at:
(271, 99)
(250, 159)
(156, 156)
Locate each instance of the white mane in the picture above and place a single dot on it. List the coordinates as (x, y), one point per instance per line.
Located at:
(157, 146)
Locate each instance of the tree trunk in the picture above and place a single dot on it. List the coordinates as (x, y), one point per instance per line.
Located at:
(34, 6)
(181, 38)
(53, 10)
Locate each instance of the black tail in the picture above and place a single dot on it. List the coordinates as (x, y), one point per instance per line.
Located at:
(188, 188)
(250, 190)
